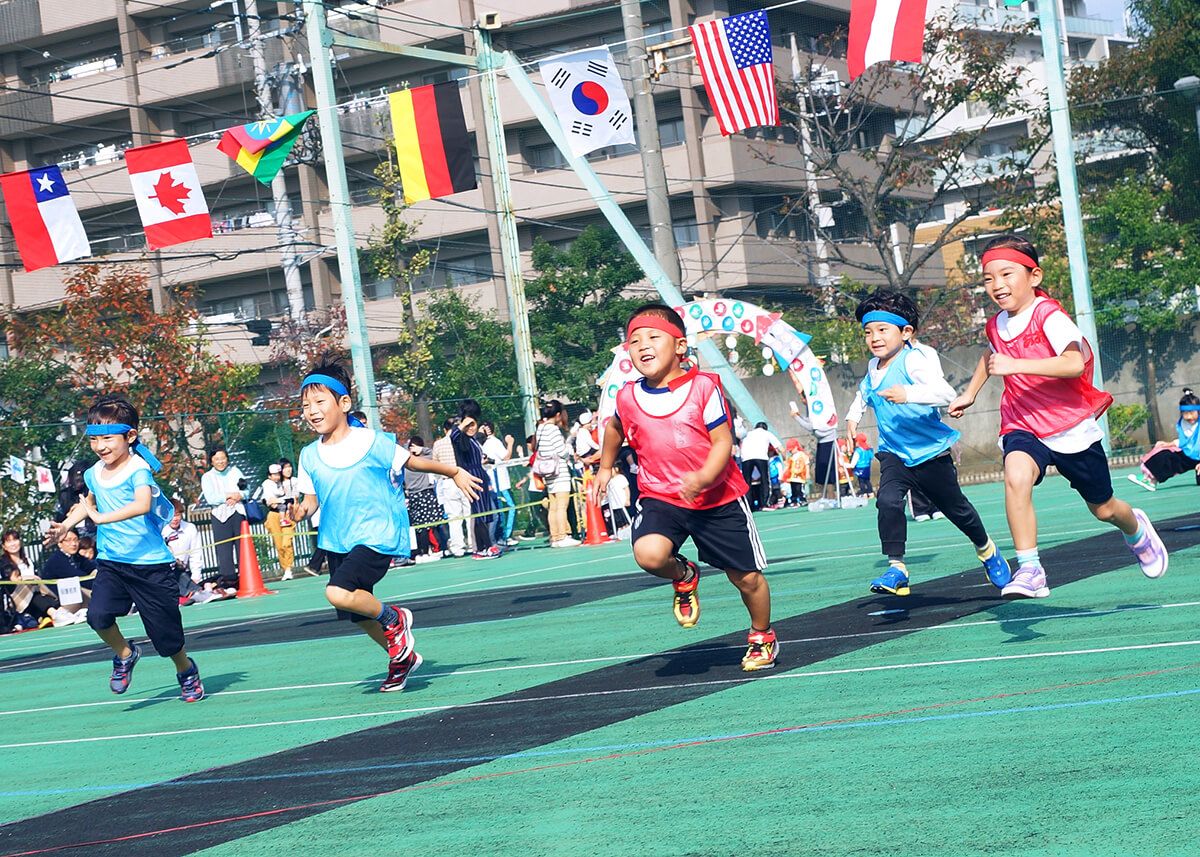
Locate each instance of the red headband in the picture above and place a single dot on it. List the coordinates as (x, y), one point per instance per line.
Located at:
(1008, 254)
(654, 321)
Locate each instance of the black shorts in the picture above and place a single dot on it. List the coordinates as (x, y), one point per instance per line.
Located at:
(825, 470)
(153, 588)
(725, 536)
(362, 568)
(1087, 471)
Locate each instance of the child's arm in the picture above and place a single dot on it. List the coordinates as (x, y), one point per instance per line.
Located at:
(305, 508)
(718, 456)
(468, 484)
(964, 401)
(614, 435)
(77, 515)
(143, 501)
(1069, 364)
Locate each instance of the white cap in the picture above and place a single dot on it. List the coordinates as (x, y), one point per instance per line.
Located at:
(274, 468)
(585, 418)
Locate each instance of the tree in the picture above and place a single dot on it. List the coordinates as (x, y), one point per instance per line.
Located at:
(299, 344)
(107, 338)
(578, 309)
(886, 153)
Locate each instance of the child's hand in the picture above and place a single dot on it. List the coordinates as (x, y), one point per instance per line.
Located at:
(1001, 364)
(598, 489)
(468, 484)
(56, 532)
(691, 485)
(959, 406)
(896, 394)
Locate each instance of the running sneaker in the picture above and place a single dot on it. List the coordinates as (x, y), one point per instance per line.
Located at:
(761, 652)
(490, 553)
(398, 672)
(892, 582)
(687, 600)
(399, 635)
(1028, 582)
(122, 671)
(190, 688)
(1141, 480)
(1150, 551)
(997, 569)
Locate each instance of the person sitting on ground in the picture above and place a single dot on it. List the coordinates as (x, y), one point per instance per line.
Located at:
(1180, 455)
(66, 562)
(31, 597)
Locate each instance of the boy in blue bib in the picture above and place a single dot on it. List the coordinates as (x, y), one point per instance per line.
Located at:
(134, 566)
(354, 475)
(905, 386)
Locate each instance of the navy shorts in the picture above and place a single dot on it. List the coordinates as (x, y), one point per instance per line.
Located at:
(153, 588)
(725, 536)
(362, 568)
(1087, 471)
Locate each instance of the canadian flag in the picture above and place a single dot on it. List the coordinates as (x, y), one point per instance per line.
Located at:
(882, 30)
(168, 194)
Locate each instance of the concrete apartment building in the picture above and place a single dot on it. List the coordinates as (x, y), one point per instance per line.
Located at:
(82, 82)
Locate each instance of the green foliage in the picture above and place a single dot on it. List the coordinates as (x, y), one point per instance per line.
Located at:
(578, 310)
(1124, 421)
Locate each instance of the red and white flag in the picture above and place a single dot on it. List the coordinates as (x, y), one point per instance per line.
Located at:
(734, 56)
(883, 30)
(168, 194)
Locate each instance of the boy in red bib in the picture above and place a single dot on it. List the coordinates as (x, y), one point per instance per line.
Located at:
(1048, 413)
(678, 423)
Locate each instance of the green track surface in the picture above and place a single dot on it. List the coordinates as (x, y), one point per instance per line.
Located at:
(1058, 726)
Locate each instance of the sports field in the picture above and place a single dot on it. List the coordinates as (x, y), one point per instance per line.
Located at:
(560, 710)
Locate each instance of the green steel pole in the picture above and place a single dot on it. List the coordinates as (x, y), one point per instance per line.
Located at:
(1068, 186)
(319, 43)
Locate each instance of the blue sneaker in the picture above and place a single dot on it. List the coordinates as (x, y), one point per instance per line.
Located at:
(190, 688)
(997, 569)
(892, 582)
(122, 672)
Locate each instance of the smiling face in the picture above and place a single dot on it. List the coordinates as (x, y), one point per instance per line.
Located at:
(1189, 416)
(112, 449)
(220, 459)
(1011, 285)
(324, 411)
(287, 470)
(12, 544)
(655, 353)
(884, 340)
(69, 543)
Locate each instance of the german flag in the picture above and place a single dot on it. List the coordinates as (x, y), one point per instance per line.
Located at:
(431, 142)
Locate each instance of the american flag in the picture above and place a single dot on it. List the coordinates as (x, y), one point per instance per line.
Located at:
(734, 55)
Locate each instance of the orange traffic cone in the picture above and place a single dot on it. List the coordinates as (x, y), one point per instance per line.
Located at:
(596, 533)
(250, 580)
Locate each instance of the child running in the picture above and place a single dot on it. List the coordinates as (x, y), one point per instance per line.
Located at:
(1047, 413)
(351, 474)
(1179, 456)
(135, 568)
(904, 385)
(677, 422)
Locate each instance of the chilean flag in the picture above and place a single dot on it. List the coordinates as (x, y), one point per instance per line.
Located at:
(883, 30)
(167, 189)
(44, 220)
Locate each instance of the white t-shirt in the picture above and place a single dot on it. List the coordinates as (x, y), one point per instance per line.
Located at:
(757, 443)
(346, 453)
(661, 401)
(497, 451)
(584, 445)
(618, 491)
(1062, 333)
(929, 386)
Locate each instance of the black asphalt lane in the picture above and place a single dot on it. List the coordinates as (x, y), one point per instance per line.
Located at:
(424, 748)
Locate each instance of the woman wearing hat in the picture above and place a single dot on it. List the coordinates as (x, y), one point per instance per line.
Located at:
(278, 493)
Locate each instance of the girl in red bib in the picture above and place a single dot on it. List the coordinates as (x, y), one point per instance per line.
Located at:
(677, 422)
(1048, 413)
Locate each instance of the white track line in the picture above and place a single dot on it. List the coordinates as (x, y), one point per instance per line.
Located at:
(601, 693)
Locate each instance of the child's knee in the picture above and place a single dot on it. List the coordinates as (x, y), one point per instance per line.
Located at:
(651, 556)
(1020, 472)
(747, 581)
(890, 496)
(338, 597)
(1106, 511)
(100, 621)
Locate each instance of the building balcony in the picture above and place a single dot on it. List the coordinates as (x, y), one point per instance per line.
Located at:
(28, 20)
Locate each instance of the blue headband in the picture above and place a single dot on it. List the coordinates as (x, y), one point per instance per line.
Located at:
(1189, 407)
(335, 386)
(889, 317)
(139, 448)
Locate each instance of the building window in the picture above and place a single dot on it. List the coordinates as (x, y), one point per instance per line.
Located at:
(671, 132)
(687, 232)
(544, 156)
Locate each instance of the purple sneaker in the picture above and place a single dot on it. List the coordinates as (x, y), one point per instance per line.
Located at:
(122, 671)
(1150, 551)
(1028, 582)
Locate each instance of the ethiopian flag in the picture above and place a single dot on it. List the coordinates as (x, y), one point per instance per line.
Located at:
(260, 148)
(432, 144)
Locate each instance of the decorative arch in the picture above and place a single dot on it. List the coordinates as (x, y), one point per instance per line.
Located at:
(788, 348)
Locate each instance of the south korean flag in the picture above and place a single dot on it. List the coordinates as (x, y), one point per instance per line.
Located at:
(589, 97)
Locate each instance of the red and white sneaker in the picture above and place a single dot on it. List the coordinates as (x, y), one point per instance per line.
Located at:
(399, 635)
(687, 599)
(399, 671)
(761, 652)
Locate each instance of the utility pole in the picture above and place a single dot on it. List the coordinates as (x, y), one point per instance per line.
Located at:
(658, 198)
(810, 178)
(284, 231)
(319, 43)
(1050, 23)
